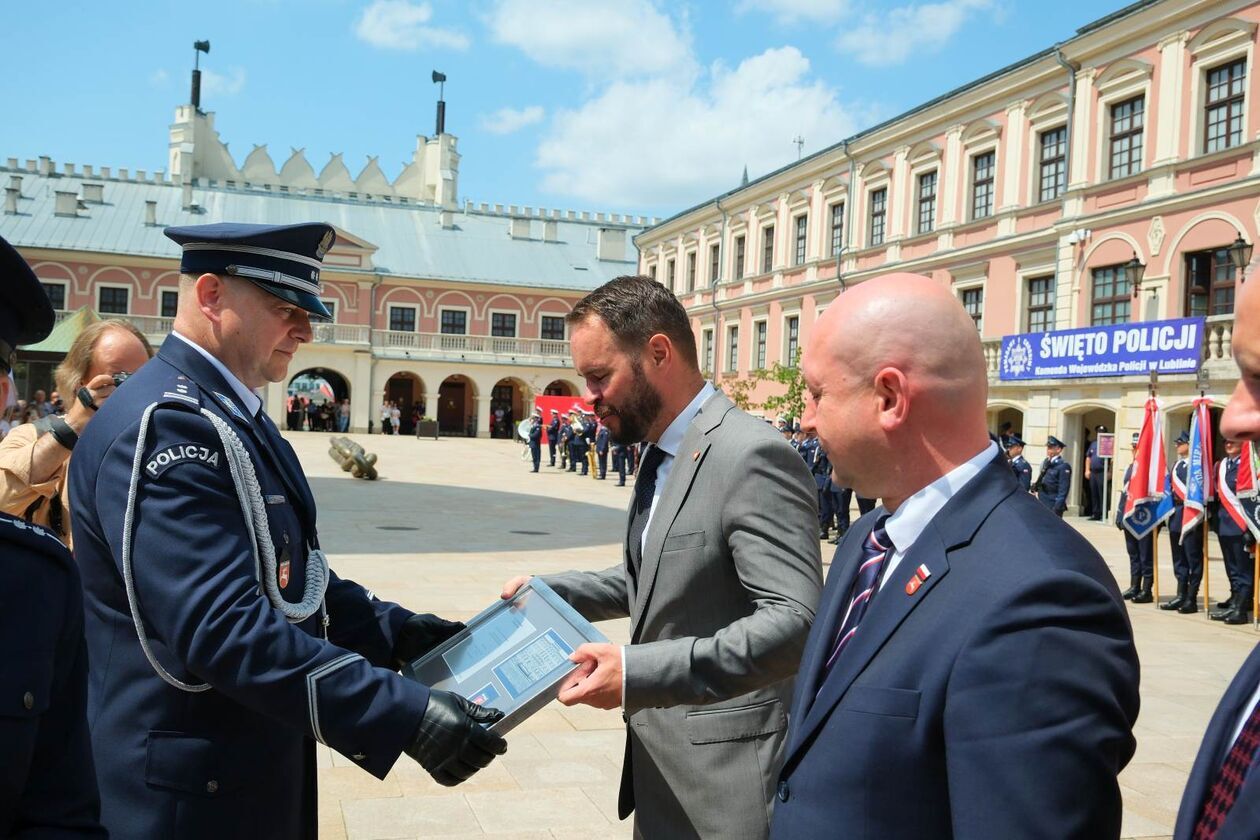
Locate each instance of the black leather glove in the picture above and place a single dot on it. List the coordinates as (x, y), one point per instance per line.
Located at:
(451, 742)
(420, 634)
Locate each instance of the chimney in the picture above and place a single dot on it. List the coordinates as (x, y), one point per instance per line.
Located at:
(518, 228)
(611, 244)
(551, 231)
(93, 193)
(188, 198)
(45, 165)
(15, 182)
(446, 219)
(150, 213)
(10, 201)
(66, 204)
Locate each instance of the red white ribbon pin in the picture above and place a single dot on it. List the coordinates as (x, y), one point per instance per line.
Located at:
(921, 574)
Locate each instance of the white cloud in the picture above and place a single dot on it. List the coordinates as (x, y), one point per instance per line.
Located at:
(793, 11)
(671, 141)
(882, 40)
(160, 79)
(400, 25)
(603, 39)
(509, 120)
(216, 84)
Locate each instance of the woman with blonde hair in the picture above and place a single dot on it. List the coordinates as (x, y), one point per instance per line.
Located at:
(35, 457)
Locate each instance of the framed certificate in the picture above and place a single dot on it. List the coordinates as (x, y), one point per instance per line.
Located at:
(512, 656)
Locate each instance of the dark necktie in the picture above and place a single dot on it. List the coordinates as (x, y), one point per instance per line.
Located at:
(875, 553)
(644, 488)
(1229, 779)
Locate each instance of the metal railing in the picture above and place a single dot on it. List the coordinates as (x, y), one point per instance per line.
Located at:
(1218, 341)
(399, 343)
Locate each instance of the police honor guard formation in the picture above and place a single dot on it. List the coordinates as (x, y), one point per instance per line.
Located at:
(1236, 540)
(1186, 545)
(1055, 478)
(535, 438)
(1141, 550)
(222, 645)
(47, 781)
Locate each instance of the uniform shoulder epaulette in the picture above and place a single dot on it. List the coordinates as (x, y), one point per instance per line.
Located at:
(183, 392)
(15, 531)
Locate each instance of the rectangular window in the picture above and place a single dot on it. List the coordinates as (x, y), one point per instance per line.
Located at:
(669, 275)
(879, 215)
(1110, 302)
(1209, 283)
(652, 272)
(402, 319)
(837, 228)
(1053, 164)
(56, 294)
(927, 202)
(767, 249)
(1128, 121)
(1040, 304)
(739, 258)
(802, 224)
(112, 301)
(793, 340)
(553, 327)
(503, 324)
(982, 185)
(454, 322)
(762, 332)
(331, 306)
(732, 349)
(691, 271)
(1223, 117)
(715, 266)
(707, 359)
(973, 302)
(170, 303)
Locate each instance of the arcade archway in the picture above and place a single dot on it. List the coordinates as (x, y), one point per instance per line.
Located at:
(456, 409)
(314, 398)
(406, 390)
(1091, 491)
(560, 388)
(507, 406)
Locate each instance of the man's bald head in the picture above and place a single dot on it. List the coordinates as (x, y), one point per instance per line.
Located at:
(899, 382)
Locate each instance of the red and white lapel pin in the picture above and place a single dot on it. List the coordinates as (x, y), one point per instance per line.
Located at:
(921, 574)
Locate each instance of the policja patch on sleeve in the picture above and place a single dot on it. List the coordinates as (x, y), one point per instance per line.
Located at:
(166, 457)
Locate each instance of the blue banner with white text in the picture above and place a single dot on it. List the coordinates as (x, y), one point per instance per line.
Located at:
(1135, 349)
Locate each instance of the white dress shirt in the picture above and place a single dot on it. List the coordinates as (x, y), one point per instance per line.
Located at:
(248, 398)
(905, 526)
(671, 439)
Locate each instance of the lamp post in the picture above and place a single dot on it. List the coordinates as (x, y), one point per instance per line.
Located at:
(1134, 270)
(1240, 253)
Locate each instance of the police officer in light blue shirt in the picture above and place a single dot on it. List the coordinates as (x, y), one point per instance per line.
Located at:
(222, 645)
(47, 779)
(1055, 478)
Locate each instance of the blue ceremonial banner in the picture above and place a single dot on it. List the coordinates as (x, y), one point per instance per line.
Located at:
(1134, 349)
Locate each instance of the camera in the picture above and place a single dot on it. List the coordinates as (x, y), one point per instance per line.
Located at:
(120, 377)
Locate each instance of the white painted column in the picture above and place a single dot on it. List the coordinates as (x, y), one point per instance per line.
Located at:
(952, 178)
(782, 236)
(816, 232)
(1172, 93)
(1014, 140)
(1078, 177)
(483, 416)
(361, 391)
(899, 194)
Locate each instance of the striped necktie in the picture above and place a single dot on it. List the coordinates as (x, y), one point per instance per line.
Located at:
(875, 553)
(1229, 779)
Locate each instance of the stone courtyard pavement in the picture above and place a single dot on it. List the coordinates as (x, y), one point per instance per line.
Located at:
(450, 520)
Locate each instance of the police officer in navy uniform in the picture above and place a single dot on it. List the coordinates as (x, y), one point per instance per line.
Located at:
(1187, 546)
(620, 454)
(579, 445)
(1141, 551)
(601, 450)
(47, 778)
(222, 646)
(553, 435)
(1235, 539)
(1055, 478)
(535, 438)
(1095, 467)
(1019, 464)
(566, 444)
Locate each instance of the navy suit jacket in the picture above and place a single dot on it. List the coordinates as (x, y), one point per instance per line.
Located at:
(996, 699)
(1243, 822)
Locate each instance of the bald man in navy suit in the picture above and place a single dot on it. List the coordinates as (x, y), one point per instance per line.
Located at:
(971, 671)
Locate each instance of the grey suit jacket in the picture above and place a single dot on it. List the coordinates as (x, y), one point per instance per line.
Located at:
(730, 581)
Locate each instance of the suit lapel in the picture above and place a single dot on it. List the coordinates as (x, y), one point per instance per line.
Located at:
(887, 611)
(681, 475)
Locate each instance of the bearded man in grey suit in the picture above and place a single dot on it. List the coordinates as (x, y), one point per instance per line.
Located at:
(720, 576)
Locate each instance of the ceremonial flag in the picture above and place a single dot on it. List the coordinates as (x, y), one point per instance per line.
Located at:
(1149, 491)
(1248, 470)
(1198, 474)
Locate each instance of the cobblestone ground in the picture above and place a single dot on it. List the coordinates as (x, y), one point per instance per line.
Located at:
(450, 520)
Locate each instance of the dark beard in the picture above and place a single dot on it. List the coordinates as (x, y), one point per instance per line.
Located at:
(642, 408)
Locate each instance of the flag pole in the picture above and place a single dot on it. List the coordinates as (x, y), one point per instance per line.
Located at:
(1255, 574)
(1155, 532)
(1203, 532)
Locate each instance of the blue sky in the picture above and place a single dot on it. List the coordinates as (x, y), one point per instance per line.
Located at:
(618, 105)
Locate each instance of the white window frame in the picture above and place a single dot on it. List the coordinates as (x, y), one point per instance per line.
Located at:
(763, 321)
(331, 302)
(131, 296)
(516, 324)
(968, 285)
(1219, 50)
(414, 307)
(1112, 90)
(65, 290)
(732, 332)
(870, 188)
(468, 319)
(707, 335)
(798, 216)
(564, 325)
(162, 290)
(785, 315)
